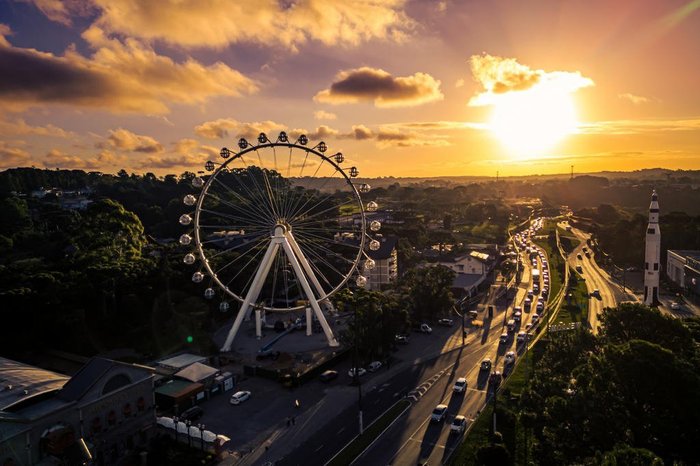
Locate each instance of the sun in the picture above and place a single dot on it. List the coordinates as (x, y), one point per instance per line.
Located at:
(529, 123)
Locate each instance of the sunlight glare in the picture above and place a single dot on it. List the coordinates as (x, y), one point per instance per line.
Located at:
(531, 122)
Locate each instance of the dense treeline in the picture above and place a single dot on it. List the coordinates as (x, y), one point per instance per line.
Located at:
(630, 395)
(622, 234)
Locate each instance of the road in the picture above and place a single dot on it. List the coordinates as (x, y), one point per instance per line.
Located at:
(595, 278)
(413, 439)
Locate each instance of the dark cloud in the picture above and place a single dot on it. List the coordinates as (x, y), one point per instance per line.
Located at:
(380, 87)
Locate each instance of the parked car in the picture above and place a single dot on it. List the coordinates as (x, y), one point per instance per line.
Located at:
(403, 339)
(239, 397)
(675, 306)
(459, 425)
(328, 375)
(445, 322)
(360, 372)
(374, 366)
(460, 385)
(486, 364)
(439, 413)
(191, 414)
(425, 328)
(509, 358)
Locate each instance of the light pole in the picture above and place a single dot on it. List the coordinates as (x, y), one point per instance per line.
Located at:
(201, 434)
(175, 420)
(188, 423)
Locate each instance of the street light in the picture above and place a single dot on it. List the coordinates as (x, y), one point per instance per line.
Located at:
(188, 423)
(175, 421)
(201, 433)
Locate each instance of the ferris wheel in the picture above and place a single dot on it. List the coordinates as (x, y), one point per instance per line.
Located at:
(278, 226)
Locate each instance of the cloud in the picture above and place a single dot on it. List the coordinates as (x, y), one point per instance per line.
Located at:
(499, 76)
(223, 127)
(376, 85)
(119, 76)
(125, 140)
(185, 146)
(21, 127)
(61, 11)
(323, 115)
(58, 159)
(388, 136)
(322, 132)
(638, 126)
(12, 156)
(635, 99)
(459, 83)
(173, 161)
(217, 24)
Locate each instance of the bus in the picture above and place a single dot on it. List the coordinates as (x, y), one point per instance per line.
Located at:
(536, 276)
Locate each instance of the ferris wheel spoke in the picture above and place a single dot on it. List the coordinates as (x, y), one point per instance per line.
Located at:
(306, 219)
(327, 240)
(312, 242)
(268, 188)
(246, 217)
(266, 210)
(236, 218)
(240, 270)
(296, 208)
(320, 259)
(262, 194)
(228, 264)
(237, 246)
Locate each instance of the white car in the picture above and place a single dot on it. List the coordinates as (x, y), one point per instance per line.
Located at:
(509, 358)
(239, 397)
(439, 413)
(445, 322)
(517, 316)
(374, 366)
(460, 385)
(459, 425)
(675, 306)
(425, 328)
(360, 372)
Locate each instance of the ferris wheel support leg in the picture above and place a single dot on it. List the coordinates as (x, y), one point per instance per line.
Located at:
(253, 292)
(309, 322)
(309, 293)
(307, 268)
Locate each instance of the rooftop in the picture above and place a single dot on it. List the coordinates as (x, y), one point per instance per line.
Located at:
(181, 361)
(693, 254)
(19, 382)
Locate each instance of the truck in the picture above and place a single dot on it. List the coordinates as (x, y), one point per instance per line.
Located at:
(536, 276)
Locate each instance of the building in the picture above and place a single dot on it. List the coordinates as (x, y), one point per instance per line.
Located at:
(652, 254)
(386, 268)
(682, 267)
(474, 262)
(106, 408)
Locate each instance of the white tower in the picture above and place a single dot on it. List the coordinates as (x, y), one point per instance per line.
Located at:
(652, 255)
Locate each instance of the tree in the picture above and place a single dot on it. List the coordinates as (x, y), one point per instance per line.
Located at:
(624, 455)
(493, 454)
(426, 291)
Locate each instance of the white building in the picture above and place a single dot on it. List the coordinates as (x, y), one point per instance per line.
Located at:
(676, 263)
(386, 266)
(474, 262)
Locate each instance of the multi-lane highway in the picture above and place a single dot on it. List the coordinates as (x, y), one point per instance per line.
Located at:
(414, 438)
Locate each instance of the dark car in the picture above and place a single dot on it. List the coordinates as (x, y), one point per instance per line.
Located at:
(328, 376)
(267, 354)
(192, 414)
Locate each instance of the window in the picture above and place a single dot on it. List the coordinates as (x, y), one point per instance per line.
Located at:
(656, 266)
(646, 266)
(112, 418)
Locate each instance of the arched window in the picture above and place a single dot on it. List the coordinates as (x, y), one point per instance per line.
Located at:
(96, 426)
(112, 418)
(126, 410)
(141, 404)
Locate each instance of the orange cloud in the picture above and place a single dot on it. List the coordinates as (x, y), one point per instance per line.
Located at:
(12, 156)
(125, 140)
(57, 159)
(376, 85)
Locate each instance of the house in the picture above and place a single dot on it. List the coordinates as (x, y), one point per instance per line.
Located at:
(474, 262)
(106, 411)
(385, 269)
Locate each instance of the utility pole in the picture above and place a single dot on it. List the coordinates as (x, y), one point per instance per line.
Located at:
(572, 172)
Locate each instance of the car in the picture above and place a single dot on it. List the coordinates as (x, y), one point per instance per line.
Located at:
(540, 307)
(517, 316)
(360, 372)
(535, 318)
(504, 337)
(192, 414)
(509, 358)
(522, 336)
(596, 293)
(459, 425)
(460, 385)
(579, 269)
(528, 327)
(527, 303)
(445, 322)
(328, 375)
(495, 379)
(239, 397)
(579, 256)
(485, 365)
(374, 366)
(473, 314)
(401, 338)
(439, 413)
(675, 306)
(425, 328)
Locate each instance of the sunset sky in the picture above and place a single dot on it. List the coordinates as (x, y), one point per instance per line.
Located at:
(402, 88)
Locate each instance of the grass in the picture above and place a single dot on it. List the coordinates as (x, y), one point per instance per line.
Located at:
(575, 309)
(351, 451)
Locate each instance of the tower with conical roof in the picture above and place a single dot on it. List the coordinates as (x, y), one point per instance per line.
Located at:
(652, 255)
